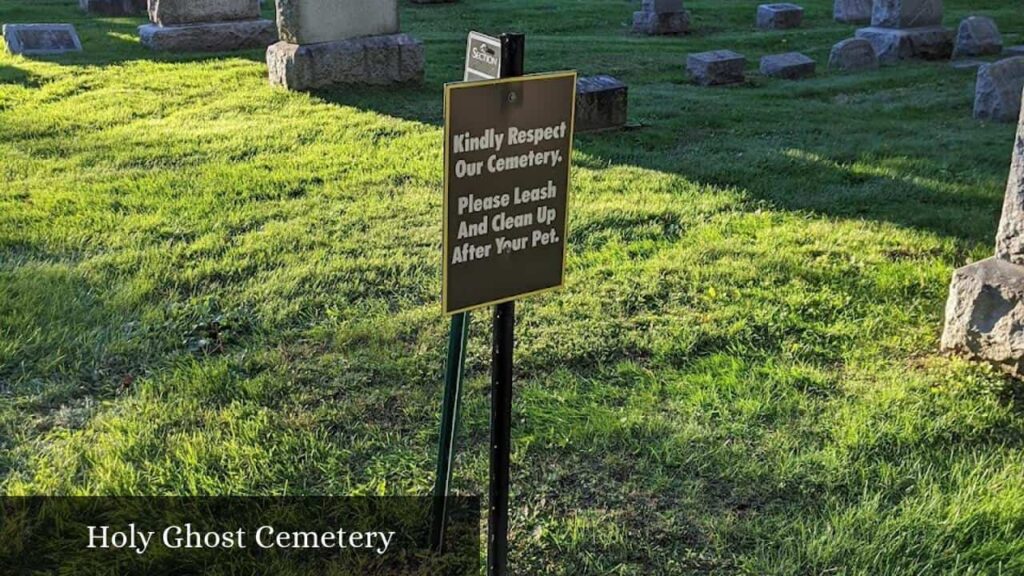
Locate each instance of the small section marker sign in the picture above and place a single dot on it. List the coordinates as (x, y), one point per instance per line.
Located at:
(507, 155)
(483, 57)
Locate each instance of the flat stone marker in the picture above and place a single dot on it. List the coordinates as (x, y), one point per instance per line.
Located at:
(206, 26)
(41, 39)
(779, 16)
(977, 36)
(997, 93)
(902, 29)
(601, 103)
(853, 54)
(661, 18)
(339, 42)
(113, 7)
(717, 67)
(788, 66)
(985, 309)
(852, 11)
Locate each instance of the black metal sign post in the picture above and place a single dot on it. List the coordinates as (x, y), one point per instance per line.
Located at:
(508, 144)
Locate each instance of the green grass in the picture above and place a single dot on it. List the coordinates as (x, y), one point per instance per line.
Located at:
(211, 286)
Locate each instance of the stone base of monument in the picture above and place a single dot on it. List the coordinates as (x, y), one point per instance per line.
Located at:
(209, 37)
(985, 314)
(372, 60)
(601, 103)
(894, 44)
(655, 24)
(788, 66)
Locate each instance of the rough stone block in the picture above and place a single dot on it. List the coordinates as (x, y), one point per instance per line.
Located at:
(852, 11)
(977, 36)
(666, 24)
(906, 13)
(113, 7)
(779, 16)
(601, 103)
(789, 66)
(891, 44)
(212, 37)
(985, 314)
(997, 93)
(175, 12)
(312, 21)
(716, 67)
(377, 60)
(853, 54)
(41, 39)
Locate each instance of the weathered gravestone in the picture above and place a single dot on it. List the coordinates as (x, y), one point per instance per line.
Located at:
(330, 42)
(206, 26)
(716, 67)
(985, 309)
(902, 29)
(779, 16)
(852, 11)
(41, 39)
(788, 66)
(977, 36)
(853, 54)
(113, 7)
(998, 90)
(601, 103)
(661, 17)
(1014, 50)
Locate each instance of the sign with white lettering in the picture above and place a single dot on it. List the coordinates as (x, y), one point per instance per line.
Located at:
(483, 57)
(507, 152)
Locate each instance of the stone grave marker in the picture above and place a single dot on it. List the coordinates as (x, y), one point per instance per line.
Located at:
(902, 29)
(788, 66)
(331, 42)
(661, 17)
(601, 103)
(717, 67)
(206, 26)
(852, 11)
(1014, 50)
(41, 39)
(985, 309)
(853, 54)
(997, 93)
(113, 7)
(779, 16)
(977, 36)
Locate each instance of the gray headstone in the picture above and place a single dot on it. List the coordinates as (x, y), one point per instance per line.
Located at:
(893, 44)
(312, 21)
(661, 18)
(1014, 50)
(39, 39)
(906, 13)
(663, 6)
(977, 36)
(1010, 237)
(373, 60)
(175, 12)
(789, 66)
(113, 7)
(852, 11)
(853, 54)
(997, 94)
(209, 37)
(601, 103)
(716, 67)
(779, 16)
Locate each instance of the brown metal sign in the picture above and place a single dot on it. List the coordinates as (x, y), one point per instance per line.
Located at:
(507, 156)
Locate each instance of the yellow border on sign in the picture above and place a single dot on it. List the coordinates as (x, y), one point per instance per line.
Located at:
(448, 88)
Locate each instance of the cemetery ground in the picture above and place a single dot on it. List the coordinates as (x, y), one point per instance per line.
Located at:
(212, 286)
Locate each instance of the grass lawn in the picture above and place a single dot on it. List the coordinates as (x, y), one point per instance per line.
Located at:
(212, 286)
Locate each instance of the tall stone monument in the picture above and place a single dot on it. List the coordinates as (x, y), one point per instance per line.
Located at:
(206, 26)
(985, 309)
(330, 42)
(902, 29)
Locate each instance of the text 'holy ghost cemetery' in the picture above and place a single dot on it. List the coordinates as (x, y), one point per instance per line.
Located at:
(507, 178)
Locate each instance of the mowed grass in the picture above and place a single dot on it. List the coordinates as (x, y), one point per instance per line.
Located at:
(212, 286)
